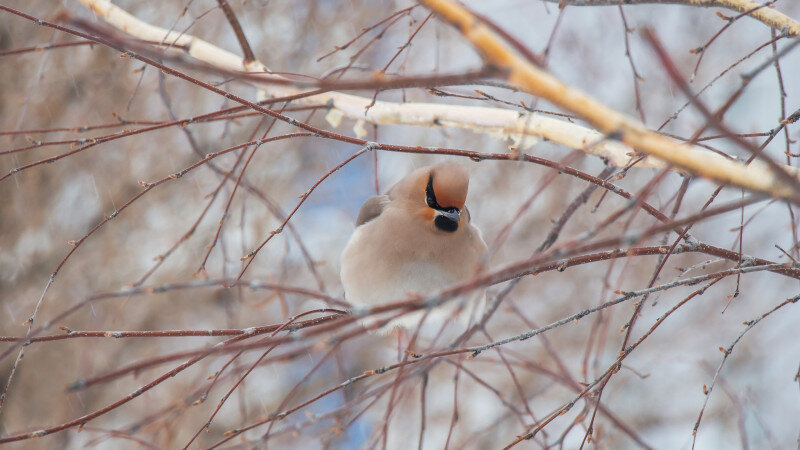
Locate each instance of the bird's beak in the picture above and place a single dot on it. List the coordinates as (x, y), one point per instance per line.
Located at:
(451, 213)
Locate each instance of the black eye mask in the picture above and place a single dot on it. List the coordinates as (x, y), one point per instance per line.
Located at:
(443, 222)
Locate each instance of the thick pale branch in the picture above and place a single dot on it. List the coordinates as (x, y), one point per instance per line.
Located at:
(765, 14)
(501, 123)
(522, 73)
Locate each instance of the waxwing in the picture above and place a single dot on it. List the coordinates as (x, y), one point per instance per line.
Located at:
(416, 239)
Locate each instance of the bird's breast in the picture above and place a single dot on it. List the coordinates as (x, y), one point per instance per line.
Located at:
(380, 266)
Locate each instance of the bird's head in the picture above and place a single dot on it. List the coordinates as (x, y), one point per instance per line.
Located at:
(441, 191)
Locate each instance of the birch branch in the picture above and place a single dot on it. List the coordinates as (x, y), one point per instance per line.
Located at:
(522, 128)
(766, 14)
(528, 77)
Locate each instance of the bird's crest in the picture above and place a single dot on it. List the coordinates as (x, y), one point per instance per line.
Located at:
(450, 182)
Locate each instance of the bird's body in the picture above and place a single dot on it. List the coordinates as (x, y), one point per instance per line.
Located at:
(415, 239)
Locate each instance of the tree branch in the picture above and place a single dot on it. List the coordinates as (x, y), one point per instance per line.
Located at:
(492, 121)
(764, 13)
(754, 177)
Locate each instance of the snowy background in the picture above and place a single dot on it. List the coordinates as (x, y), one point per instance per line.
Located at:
(657, 394)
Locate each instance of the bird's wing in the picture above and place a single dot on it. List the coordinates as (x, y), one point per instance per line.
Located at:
(371, 209)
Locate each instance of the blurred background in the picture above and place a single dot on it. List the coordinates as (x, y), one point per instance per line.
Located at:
(141, 271)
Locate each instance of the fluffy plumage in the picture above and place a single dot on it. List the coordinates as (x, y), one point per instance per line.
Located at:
(415, 239)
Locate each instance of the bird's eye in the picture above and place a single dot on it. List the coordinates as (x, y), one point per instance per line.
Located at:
(430, 197)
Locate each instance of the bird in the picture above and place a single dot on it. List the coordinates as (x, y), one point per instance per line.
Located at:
(416, 239)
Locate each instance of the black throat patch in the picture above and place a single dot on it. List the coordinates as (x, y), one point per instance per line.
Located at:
(445, 224)
(441, 222)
